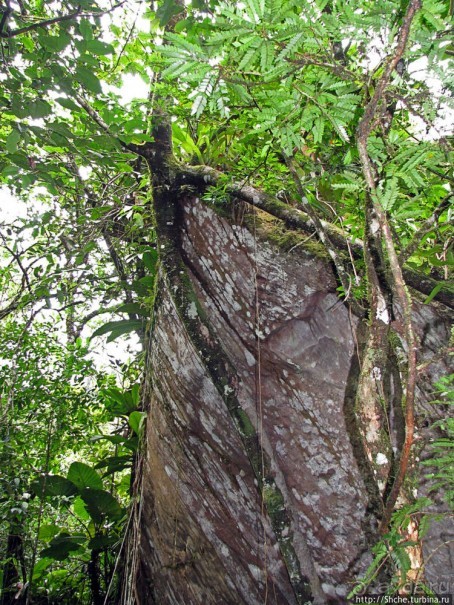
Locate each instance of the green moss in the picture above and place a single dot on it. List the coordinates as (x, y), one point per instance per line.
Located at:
(273, 498)
(244, 424)
(273, 230)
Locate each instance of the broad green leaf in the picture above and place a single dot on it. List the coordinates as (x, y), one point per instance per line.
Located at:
(116, 439)
(12, 141)
(41, 567)
(115, 464)
(47, 532)
(80, 509)
(10, 171)
(118, 328)
(40, 109)
(84, 476)
(135, 394)
(133, 308)
(101, 505)
(67, 103)
(86, 29)
(54, 43)
(119, 402)
(54, 485)
(61, 546)
(167, 10)
(87, 78)
(136, 420)
(97, 47)
(150, 258)
(99, 542)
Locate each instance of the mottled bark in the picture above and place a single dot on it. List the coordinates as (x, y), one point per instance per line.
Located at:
(255, 484)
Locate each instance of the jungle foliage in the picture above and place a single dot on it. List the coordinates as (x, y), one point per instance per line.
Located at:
(341, 110)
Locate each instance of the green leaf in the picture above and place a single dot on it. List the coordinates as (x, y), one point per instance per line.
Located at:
(135, 394)
(97, 47)
(10, 171)
(12, 141)
(86, 29)
(136, 420)
(116, 439)
(84, 476)
(115, 464)
(167, 10)
(54, 485)
(54, 43)
(80, 509)
(61, 546)
(101, 505)
(118, 328)
(150, 258)
(119, 402)
(47, 532)
(99, 542)
(433, 294)
(133, 308)
(67, 103)
(87, 78)
(40, 109)
(41, 567)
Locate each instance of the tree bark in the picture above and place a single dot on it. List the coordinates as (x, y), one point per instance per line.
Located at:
(256, 486)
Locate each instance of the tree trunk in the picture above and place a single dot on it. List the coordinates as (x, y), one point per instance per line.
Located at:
(257, 487)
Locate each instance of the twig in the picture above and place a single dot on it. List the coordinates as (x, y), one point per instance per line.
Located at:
(324, 237)
(425, 228)
(438, 357)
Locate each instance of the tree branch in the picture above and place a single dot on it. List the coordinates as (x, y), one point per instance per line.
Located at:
(294, 218)
(47, 22)
(139, 150)
(400, 290)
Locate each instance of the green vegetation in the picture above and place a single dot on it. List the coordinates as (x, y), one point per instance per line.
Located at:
(338, 109)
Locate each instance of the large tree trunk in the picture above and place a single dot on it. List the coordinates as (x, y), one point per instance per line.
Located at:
(256, 485)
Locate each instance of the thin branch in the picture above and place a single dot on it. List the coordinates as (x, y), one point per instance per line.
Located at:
(425, 229)
(365, 124)
(438, 357)
(33, 26)
(47, 22)
(18, 260)
(324, 237)
(97, 118)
